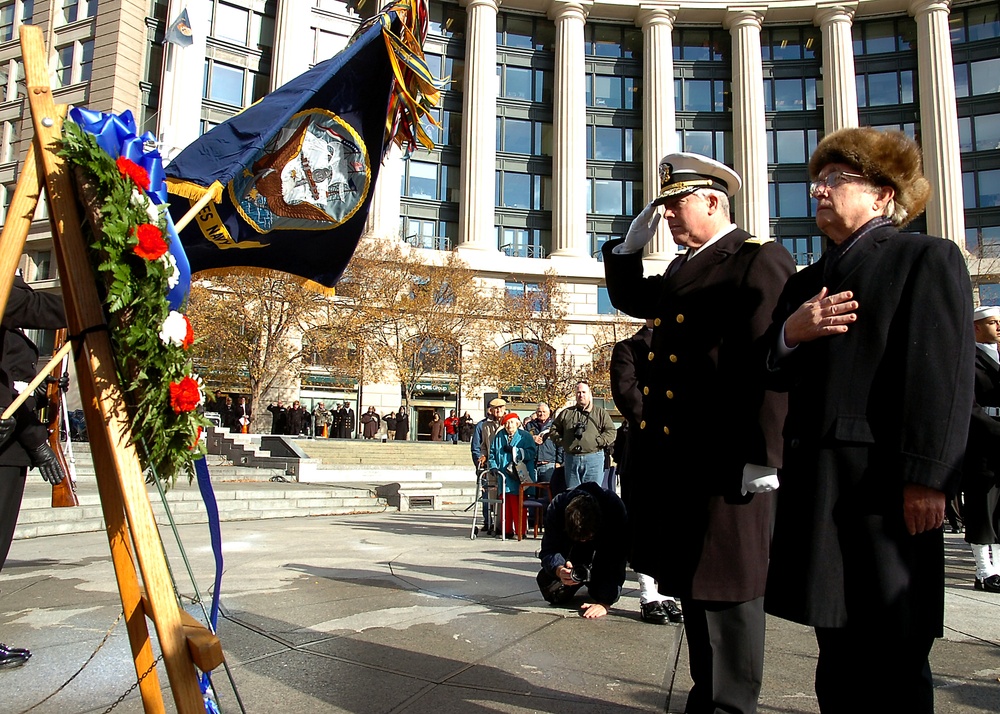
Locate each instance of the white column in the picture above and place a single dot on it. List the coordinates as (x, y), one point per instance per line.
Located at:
(183, 74)
(477, 205)
(383, 218)
(939, 120)
(840, 90)
(293, 41)
(569, 151)
(659, 123)
(750, 160)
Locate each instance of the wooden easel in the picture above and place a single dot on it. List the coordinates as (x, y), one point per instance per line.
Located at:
(132, 532)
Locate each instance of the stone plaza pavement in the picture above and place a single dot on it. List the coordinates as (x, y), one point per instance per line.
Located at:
(403, 612)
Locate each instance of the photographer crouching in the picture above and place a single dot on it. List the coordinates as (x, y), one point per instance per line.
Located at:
(584, 544)
(583, 431)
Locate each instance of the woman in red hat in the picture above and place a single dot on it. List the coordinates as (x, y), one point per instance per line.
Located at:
(513, 449)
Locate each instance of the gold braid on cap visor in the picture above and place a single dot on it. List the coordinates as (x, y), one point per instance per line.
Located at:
(681, 187)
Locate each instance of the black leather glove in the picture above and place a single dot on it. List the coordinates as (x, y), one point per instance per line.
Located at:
(44, 459)
(64, 382)
(41, 395)
(6, 429)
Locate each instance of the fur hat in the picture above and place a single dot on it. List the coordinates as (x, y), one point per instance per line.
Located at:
(886, 158)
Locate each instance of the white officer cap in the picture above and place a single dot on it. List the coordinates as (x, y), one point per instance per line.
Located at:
(984, 311)
(684, 173)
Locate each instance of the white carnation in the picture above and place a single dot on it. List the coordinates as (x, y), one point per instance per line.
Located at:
(143, 201)
(174, 329)
(170, 264)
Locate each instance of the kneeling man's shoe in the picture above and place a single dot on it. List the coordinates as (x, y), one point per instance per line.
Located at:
(673, 612)
(653, 612)
(990, 584)
(13, 656)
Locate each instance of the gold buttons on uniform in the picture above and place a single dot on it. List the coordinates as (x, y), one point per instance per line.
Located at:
(645, 390)
(642, 424)
(656, 322)
(666, 430)
(680, 319)
(673, 358)
(650, 356)
(670, 394)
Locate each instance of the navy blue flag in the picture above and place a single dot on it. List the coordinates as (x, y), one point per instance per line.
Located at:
(179, 31)
(293, 175)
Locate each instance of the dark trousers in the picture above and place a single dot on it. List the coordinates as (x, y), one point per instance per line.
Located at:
(865, 669)
(726, 650)
(11, 491)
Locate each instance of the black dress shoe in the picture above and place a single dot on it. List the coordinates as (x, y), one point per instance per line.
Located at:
(990, 584)
(13, 656)
(674, 613)
(653, 612)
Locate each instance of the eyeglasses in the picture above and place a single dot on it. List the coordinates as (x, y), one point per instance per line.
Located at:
(832, 180)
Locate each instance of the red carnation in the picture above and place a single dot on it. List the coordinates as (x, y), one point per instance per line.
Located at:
(132, 170)
(188, 335)
(184, 395)
(151, 244)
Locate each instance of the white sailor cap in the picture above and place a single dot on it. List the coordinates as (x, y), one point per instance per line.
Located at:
(984, 311)
(684, 173)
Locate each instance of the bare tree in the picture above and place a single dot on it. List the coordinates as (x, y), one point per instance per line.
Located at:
(408, 313)
(249, 328)
(530, 322)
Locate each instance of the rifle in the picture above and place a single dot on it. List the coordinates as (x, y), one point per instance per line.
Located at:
(63, 494)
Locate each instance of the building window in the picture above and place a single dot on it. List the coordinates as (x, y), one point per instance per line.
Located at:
(74, 63)
(231, 23)
(446, 20)
(224, 83)
(805, 250)
(875, 37)
(523, 136)
(524, 242)
(73, 10)
(531, 292)
(40, 265)
(605, 40)
(975, 23)
(791, 95)
(428, 233)
(604, 306)
(885, 89)
(8, 152)
(697, 45)
(792, 43)
(525, 32)
(237, 25)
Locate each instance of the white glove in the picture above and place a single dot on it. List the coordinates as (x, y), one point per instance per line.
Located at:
(759, 479)
(641, 231)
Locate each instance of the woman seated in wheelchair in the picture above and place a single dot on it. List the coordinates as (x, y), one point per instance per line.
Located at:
(513, 452)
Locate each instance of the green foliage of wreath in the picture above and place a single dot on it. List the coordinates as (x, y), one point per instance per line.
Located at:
(134, 291)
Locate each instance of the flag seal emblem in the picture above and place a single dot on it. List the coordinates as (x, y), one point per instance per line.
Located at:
(314, 174)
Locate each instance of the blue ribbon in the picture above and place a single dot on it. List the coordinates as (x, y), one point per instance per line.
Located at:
(117, 135)
(215, 533)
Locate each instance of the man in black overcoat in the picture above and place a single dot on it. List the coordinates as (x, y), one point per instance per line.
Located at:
(708, 431)
(874, 344)
(629, 376)
(981, 478)
(23, 438)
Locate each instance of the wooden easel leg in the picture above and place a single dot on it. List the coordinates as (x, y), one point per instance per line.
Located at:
(114, 455)
(12, 239)
(18, 223)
